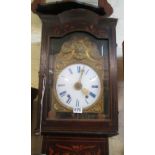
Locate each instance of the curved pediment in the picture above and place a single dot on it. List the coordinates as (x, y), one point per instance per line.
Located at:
(54, 8)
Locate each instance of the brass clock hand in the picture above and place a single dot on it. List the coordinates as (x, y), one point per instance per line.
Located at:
(85, 91)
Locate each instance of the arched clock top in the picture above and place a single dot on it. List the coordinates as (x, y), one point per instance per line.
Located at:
(78, 20)
(63, 17)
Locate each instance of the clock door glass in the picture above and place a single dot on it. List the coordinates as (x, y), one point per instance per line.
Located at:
(78, 77)
(78, 85)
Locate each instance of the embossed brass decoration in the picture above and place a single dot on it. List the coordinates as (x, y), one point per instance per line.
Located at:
(78, 50)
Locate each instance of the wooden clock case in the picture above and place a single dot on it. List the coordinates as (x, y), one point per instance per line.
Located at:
(76, 137)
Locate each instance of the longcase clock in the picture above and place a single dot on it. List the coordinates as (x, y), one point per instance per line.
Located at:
(77, 105)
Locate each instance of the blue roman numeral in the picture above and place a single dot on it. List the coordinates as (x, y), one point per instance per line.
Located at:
(61, 85)
(87, 72)
(94, 86)
(63, 93)
(69, 99)
(86, 101)
(70, 71)
(78, 69)
(92, 94)
(77, 103)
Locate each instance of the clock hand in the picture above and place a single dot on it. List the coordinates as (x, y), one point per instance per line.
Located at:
(80, 78)
(85, 91)
(78, 84)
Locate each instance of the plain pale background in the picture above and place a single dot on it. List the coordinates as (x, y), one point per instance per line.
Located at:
(15, 78)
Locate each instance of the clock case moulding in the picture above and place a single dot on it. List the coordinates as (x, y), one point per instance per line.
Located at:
(59, 19)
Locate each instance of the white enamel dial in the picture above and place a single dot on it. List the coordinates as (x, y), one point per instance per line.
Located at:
(78, 85)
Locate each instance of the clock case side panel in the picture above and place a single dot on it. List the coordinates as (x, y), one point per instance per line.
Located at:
(42, 76)
(58, 26)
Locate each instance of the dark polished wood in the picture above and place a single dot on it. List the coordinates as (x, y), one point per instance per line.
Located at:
(107, 7)
(100, 27)
(56, 145)
(34, 93)
(123, 56)
(35, 3)
(104, 8)
(56, 8)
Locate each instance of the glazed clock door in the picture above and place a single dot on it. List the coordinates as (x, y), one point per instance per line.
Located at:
(77, 88)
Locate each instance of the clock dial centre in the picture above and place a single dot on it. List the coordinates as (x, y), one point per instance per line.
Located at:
(78, 86)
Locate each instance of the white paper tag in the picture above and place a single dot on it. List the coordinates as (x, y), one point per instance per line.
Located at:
(77, 110)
